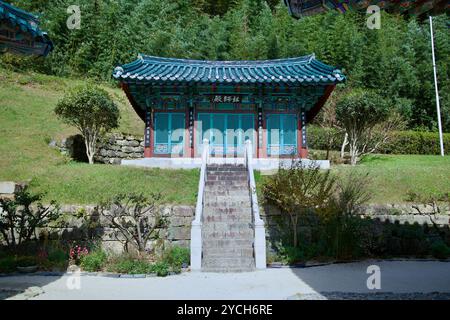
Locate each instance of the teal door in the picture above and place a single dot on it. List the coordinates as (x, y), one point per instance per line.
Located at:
(169, 134)
(281, 134)
(226, 132)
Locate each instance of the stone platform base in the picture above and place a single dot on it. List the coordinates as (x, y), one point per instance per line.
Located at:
(192, 163)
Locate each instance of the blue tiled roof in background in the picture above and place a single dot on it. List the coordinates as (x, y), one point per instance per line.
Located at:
(305, 70)
(28, 23)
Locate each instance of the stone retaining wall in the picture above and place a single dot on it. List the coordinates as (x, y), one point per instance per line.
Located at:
(118, 146)
(112, 149)
(82, 222)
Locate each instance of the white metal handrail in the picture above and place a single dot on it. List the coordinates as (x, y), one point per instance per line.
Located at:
(260, 233)
(196, 227)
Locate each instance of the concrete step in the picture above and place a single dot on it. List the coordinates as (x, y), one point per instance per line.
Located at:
(226, 193)
(226, 219)
(213, 203)
(226, 187)
(227, 270)
(228, 262)
(236, 210)
(227, 252)
(227, 183)
(209, 234)
(223, 226)
(236, 198)
(226, 166)
(228, 243)
(234, 178)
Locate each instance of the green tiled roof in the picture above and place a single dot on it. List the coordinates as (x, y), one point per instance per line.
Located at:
(29, 24)
(300, 8)
(305, 70)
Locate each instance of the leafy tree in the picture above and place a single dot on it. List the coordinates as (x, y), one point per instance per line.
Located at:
(395, 60)
(21, 216)
(359, 113)
(91, 110)
(297, 190)
(135, 218)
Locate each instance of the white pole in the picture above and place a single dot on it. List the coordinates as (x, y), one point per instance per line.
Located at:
(441, 139)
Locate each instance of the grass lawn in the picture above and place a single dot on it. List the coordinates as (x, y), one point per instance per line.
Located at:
(27, 124)
(393, 176)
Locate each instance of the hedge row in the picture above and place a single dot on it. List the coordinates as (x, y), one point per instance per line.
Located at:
(403, 142)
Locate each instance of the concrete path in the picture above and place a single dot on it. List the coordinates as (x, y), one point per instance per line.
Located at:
(317, 282)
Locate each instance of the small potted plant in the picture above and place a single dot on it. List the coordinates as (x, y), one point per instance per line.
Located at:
(27, 264)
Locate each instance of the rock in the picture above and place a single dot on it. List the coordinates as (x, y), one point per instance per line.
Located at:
(53, 144)
(177, 221)
(127, 149)
(133, 143)
(115, 161)
(8, 187)
(122, 142)
(183, 211)
(138, 149)
(33, 292)
(137, 155)
(179, 233)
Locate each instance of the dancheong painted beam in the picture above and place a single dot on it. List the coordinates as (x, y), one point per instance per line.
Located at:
(227, 102)
(20, 32)
(300, 8)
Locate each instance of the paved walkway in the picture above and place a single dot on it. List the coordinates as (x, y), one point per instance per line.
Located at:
(397, 278)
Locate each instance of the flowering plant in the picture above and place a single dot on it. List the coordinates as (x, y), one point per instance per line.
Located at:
(77, 252)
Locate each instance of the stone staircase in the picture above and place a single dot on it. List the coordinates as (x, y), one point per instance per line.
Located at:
(227, 232)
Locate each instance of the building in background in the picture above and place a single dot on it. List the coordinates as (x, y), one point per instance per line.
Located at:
(267, 102)
(20, 32)
(300, 8)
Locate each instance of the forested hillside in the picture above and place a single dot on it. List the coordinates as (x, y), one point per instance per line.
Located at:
(395, 60)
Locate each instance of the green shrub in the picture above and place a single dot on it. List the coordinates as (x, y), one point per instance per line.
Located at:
(402, 142)
(94, 261)
(130, 265)
(290, 255)
(176, 257)
(440, 250)
(160, 268)
(26, 261)
(57, 256)
(8, 264)
(415, 142)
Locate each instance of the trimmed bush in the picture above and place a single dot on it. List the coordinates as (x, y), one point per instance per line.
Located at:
(8, 264)
(95, 261)
(176, 257)
(415, 142)
(440, 250)
(160, 268)
(403, 142)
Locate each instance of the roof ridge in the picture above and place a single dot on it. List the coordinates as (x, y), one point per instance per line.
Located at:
(19, 12)
(305, 69)
(149, 58)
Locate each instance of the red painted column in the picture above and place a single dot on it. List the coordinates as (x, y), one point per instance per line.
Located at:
(148, 134)
(301, 136)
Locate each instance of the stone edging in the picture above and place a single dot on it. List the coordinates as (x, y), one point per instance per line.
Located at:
(85, 273)
(304, 266)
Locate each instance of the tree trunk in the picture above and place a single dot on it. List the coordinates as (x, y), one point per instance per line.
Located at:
(353, 154)
(344, 144)
(329, 142)
(90, 141)
(294, 229)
